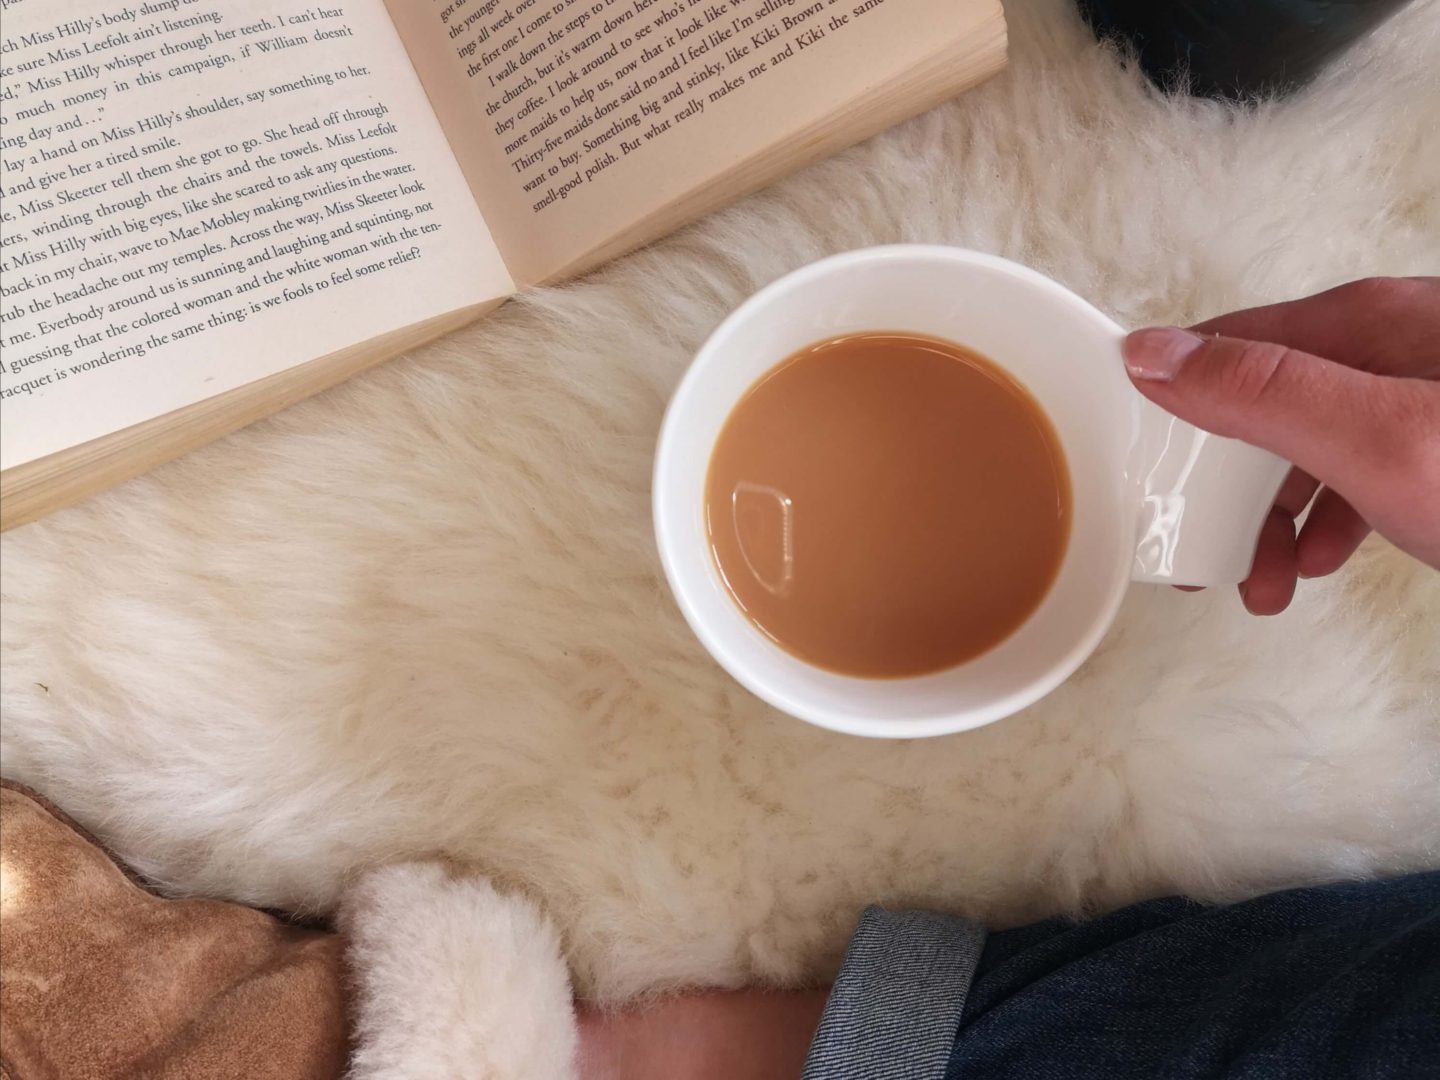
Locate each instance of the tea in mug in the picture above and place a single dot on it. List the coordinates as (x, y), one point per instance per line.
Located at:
(887, 504)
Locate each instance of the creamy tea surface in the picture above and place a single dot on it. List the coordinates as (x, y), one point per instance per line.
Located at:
(887, 505)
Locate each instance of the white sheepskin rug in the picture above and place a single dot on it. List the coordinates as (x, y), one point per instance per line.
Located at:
(422, 616)
(453, 979)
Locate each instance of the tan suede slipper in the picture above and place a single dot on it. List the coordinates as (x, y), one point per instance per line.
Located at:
(101, 978)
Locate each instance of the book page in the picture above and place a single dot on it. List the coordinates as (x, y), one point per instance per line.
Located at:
(574, 120)
(198, 194)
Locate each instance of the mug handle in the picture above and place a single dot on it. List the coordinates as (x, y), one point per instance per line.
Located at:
(1202, 501)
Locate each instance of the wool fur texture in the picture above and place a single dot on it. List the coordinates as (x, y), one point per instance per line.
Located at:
(422, 616)
(451, 979)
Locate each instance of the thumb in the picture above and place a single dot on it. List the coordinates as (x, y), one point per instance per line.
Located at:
(1338, 424)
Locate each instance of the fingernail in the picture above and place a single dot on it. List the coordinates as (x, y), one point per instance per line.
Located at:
(1158, 353)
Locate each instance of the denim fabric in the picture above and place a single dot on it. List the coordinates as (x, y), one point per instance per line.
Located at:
(897, 1000)
(1337, 981)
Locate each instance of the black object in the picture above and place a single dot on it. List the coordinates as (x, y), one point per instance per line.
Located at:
(1236, 49)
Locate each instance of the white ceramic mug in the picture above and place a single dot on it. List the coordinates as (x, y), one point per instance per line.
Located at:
(1155, 499)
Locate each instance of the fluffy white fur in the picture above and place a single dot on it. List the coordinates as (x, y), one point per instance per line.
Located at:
(423, 614)
(453, 980)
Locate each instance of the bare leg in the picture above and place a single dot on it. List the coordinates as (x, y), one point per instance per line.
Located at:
(740, 1035)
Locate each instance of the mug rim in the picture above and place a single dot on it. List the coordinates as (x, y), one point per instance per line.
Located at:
(663, 508)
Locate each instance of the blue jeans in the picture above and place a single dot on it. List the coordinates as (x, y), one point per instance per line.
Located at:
(1337, 981)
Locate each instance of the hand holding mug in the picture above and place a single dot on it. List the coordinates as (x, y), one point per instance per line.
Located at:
(1344, 384)
(1190, 472)
(1152, 498)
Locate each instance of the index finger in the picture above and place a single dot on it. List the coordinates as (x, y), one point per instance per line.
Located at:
(1387, 326)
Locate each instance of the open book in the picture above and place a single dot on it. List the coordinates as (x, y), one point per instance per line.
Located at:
(213, 208)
